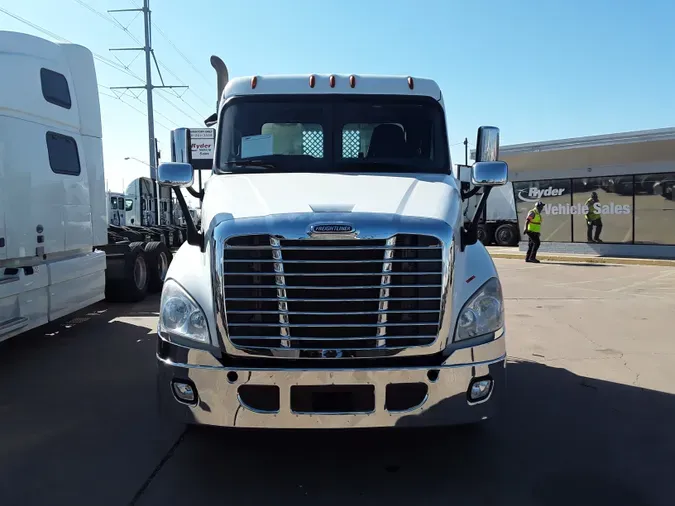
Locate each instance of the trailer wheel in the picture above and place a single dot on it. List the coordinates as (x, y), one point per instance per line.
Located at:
(132, 286)
(159, 258)
(506, 235)
(483, 234)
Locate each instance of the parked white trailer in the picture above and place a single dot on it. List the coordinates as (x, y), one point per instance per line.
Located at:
(498, 223)
(58, 253)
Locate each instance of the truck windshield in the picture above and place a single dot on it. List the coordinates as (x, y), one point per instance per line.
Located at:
(333, 134)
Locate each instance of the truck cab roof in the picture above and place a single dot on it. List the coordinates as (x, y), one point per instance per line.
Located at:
(333, 84)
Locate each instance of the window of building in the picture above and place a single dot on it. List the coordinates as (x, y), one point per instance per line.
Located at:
(556, 194)
(655, 208)
(614, 208)
(55, 88)
(63, 155)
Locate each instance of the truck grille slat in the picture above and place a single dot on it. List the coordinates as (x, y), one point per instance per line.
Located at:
(314, 338)
(317, 287)
(332, 294)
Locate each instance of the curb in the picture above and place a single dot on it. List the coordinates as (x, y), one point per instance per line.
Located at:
(588, 259)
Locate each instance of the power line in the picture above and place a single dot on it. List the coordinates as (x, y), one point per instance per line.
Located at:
(180, 53)
(178, 109)
(98, 57)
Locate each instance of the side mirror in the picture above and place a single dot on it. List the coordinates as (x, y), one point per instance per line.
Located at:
(487, 144)
(181, 145)
(488, 173)
(175, 174)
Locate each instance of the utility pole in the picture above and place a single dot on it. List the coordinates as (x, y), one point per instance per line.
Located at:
(149, 57)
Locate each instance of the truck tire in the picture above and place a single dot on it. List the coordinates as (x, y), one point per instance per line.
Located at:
(133, 285)
(506, 235)
(159, 258)
(483, 234)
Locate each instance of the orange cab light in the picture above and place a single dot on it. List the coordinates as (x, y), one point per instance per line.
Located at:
(312, 81)
(411, 84)
(254, 82)
(352, 81)
(331, 80)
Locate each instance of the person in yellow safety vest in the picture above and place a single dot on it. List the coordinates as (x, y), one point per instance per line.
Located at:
(533, 232)
(593, 219)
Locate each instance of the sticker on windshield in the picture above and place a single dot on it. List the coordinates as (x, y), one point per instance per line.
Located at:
(257, 145)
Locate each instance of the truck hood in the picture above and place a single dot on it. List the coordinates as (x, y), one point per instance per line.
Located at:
(255, 195)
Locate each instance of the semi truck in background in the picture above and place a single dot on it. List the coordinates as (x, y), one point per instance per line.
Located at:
(498, 223)
(333, 282)
(65, 243)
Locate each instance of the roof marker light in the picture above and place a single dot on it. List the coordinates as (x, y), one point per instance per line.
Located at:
(254, 82)
(331, 80)
(411, 83)
(312, 81)
(352, 81)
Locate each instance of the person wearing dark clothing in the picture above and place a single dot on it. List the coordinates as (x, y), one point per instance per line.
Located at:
(533, 232)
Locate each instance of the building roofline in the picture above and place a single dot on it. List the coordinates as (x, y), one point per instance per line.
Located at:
(660, 134)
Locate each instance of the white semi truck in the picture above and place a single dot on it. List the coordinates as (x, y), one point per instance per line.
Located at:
(59, 251)
(333, 282)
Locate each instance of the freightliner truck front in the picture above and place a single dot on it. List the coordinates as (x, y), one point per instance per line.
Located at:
(333, 282)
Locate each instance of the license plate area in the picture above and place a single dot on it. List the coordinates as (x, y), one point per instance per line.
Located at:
(332, 399)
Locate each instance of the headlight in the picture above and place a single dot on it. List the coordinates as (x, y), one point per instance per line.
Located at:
(180, 315)
(483, 313)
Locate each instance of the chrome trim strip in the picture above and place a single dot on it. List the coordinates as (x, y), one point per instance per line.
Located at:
(387, 268)
(329, 325)
(336, 248)
(365, 261)
(317, 287)
(363, 338)
(251, 408)
(328, 274)
(327, 313)
(408, 410)
(280, 280)
(369, 226)
(328, 369)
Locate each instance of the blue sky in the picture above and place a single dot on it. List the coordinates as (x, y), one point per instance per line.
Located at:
(538, 70)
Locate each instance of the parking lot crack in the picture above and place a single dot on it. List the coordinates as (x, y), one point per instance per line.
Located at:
(139, 493)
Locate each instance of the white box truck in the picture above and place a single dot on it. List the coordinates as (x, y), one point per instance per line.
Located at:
(333, 282)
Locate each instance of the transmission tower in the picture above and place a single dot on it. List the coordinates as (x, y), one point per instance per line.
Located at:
(149, 87)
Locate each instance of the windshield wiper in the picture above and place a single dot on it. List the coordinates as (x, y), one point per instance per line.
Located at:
(249, 164)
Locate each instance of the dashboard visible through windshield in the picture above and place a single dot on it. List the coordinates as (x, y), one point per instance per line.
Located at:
(333, 134)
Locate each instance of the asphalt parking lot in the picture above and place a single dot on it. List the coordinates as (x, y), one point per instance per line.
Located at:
(589, 420)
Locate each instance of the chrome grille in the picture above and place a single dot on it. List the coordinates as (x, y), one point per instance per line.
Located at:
(332, 294)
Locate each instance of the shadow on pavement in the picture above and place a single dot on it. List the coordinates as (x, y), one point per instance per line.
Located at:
(78, 412)
(561, 439)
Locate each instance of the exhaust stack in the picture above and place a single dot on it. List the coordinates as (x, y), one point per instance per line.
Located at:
(222, 73)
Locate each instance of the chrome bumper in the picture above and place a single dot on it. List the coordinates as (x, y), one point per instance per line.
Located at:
(444, 401)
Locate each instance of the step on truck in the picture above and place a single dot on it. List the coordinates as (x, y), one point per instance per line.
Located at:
(333, 282)
(63, 242)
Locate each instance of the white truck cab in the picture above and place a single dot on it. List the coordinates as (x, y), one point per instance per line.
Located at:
(333, 282)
